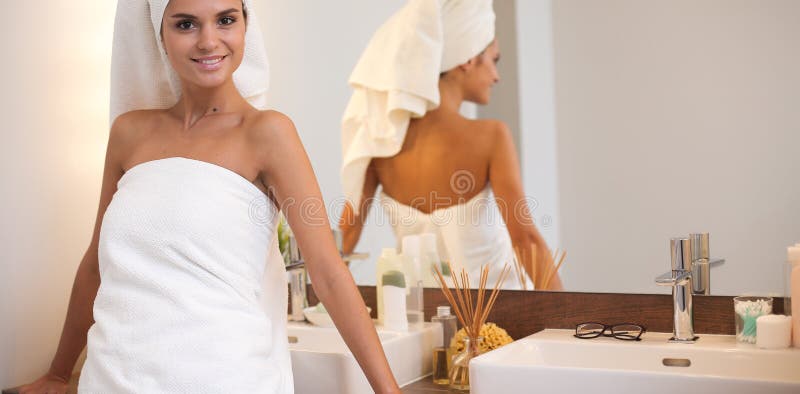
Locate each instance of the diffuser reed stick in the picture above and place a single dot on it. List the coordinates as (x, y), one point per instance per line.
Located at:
(522, 271)
(552, 272)
(472, 314)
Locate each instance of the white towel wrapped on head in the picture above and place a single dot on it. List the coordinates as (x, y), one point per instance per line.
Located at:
(141, 75)
(397, 77)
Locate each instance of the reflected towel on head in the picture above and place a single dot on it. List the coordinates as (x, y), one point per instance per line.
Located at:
(397, 77)
(141, 75)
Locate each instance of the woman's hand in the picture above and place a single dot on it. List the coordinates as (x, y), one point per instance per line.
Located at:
(47, 384)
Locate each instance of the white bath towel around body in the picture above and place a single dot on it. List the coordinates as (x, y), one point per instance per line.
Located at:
(193, 295)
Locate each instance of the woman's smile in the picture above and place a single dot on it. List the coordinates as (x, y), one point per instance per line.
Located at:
(210, 63)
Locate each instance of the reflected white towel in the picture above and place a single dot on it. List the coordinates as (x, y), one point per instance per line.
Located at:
(469, 235)
(397, 77)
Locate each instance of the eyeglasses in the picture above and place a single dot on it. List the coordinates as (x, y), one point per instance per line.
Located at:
(624, 331)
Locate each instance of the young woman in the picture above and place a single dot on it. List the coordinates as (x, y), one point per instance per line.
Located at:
(437, 169)
(182, 288)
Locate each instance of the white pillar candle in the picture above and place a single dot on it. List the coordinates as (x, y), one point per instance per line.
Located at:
(773, 332)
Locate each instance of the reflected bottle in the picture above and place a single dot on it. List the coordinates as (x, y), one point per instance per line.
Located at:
(442, 356)
(429, 258)
(413, 271)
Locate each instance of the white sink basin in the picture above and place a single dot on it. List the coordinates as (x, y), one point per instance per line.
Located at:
(322, 363)
(555, 361)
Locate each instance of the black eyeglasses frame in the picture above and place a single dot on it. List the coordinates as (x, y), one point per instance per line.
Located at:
(610, 328)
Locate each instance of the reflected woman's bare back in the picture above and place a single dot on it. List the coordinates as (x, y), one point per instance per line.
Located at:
(444, 161)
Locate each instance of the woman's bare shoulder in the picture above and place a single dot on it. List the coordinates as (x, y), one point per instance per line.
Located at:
(489, 126)
(271, 128)
(136, 122)
(273, 134)
(487, 132)
(132, 127)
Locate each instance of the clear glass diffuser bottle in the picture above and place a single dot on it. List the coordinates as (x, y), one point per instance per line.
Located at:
(459, 374)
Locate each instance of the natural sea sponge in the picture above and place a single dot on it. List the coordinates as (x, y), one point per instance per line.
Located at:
(493, 337)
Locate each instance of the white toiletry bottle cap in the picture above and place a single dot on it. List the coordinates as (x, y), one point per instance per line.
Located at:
(442, 311)
(388, 252)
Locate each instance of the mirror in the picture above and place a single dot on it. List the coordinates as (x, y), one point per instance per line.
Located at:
(635, 122)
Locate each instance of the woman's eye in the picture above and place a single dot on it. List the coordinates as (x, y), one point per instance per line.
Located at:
(226, 20)
(184, 25)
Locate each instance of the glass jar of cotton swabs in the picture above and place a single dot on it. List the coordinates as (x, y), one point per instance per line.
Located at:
(747, 310)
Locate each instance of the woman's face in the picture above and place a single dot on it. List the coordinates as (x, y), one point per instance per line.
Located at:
(204, 39)
(483, 75)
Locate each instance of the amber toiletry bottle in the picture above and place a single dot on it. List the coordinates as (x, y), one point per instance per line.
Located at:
(442, 355)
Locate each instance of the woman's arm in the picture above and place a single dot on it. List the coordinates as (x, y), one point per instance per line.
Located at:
(351, 224)
(87, 280)
(288, 173)
(506, 181)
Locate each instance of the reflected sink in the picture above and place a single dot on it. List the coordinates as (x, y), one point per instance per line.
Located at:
(322, 363)
(555, 361)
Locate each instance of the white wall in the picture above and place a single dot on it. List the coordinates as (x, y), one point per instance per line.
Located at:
(674, 117)
(537, 116)
(504, 101)
(55, 125)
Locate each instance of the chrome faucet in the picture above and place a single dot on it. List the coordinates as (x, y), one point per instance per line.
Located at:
(690, 274)
(297, 275)
(680, 279)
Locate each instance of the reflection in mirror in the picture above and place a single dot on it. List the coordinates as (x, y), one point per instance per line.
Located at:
(635, 122)
(667, 119)
(439, 172)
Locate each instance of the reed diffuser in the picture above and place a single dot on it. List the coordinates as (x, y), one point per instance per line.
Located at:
(471, 313)
(523, 272)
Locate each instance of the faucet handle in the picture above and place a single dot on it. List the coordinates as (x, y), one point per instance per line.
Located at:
(673, 278)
